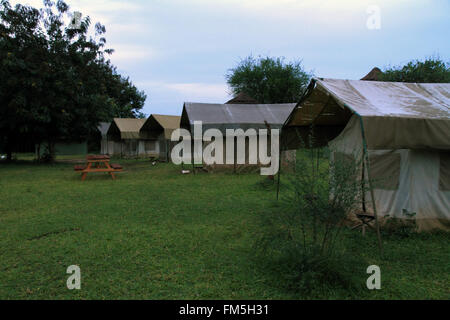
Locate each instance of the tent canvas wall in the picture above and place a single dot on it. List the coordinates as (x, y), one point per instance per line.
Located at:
(237, 116)
(124, 132)
(157, 130)
(403, 128)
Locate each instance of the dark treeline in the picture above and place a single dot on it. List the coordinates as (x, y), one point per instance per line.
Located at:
(56, 81)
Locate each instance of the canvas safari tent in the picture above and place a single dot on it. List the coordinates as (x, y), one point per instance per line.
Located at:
(402, 128)
(157, 131)
(237, 116)
(124, 132)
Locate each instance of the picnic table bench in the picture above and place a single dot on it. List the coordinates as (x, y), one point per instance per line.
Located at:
(98, 163)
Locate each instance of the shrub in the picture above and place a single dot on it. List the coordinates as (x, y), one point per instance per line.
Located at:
(400, 227)
(300, 234)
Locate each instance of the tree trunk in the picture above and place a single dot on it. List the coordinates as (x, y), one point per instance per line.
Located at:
(9, 150)
(49, 154)
(51, 151)
(38, 152)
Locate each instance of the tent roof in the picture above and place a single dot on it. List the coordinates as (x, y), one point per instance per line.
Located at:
(373, 75)
(242, 98)
(128, 127)
(391, 99)
(167, 122)
(228, 116)
(394, 114)
(159, 123)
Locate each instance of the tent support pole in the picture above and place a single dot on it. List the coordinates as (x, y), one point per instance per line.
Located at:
(193, 158)
(234, 154)
(279, 171)
(167, 151)
(367, 162)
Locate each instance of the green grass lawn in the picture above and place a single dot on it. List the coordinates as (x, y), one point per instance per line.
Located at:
(156, 234)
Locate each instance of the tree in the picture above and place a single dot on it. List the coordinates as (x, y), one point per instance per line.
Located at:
(269, 80)
(432, 70)
(21, 52)
(57, 82)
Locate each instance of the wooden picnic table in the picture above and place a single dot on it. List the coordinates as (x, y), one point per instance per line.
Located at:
(98, 163)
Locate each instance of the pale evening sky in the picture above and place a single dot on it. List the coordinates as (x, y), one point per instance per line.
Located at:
(180, 50)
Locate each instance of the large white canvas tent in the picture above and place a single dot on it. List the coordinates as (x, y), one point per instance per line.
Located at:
(157, 131)
(403, 128)
(237, 116)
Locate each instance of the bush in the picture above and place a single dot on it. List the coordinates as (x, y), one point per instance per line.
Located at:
(400, 227)
(299, 235)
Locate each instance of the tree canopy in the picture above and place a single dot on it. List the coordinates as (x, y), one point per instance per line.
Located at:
(56, 81)
(269, 80)
(431, 70)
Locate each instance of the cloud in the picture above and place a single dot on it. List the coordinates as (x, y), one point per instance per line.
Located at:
(179, 50)
(98, 10)
(105, 5)
(88, 5)
(200, 91)
(330, 16)
(120, 31)
(317, 10)
(129, 54)
(194, 91)
(168, 97)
